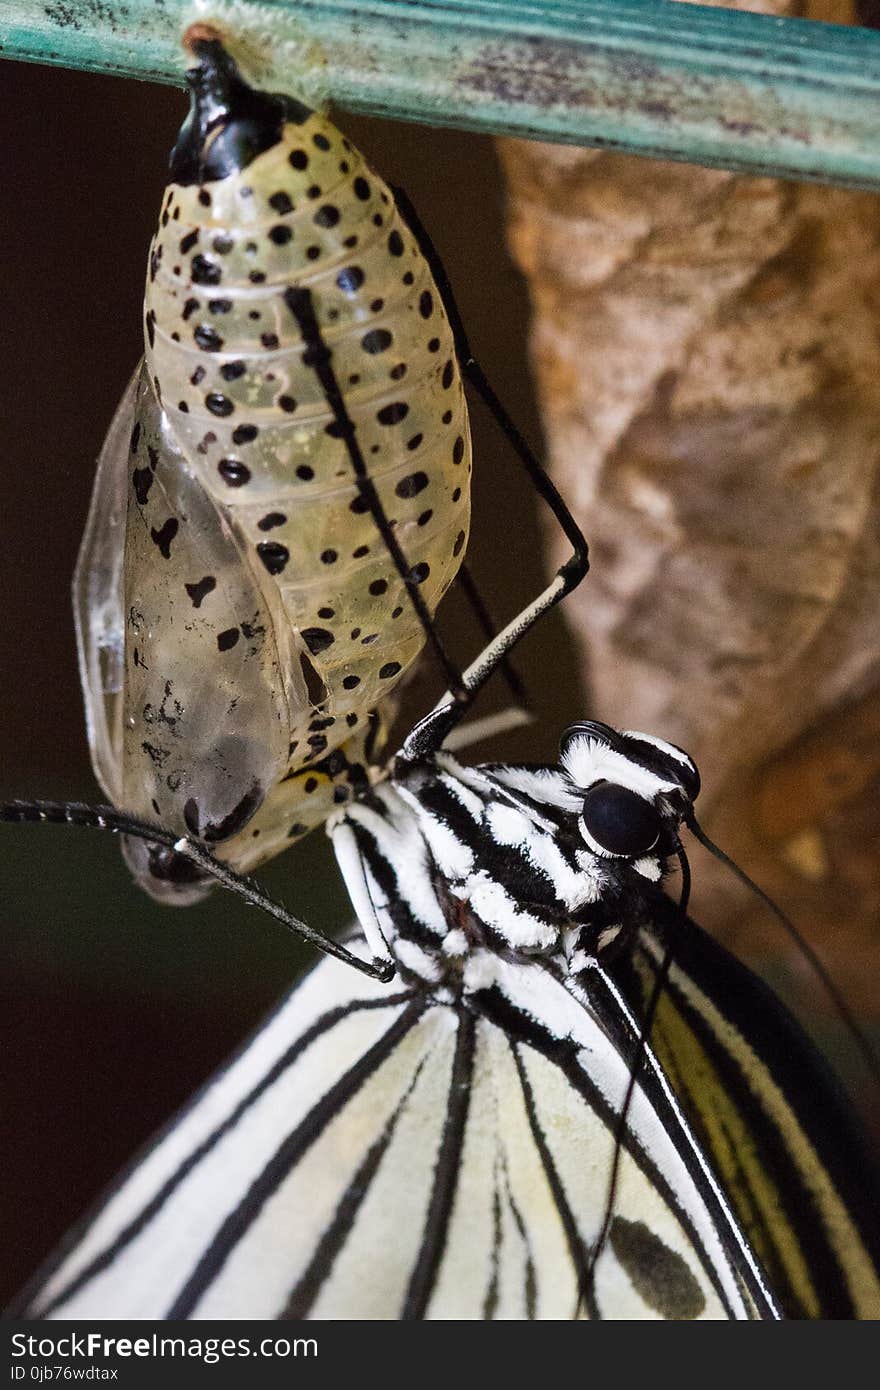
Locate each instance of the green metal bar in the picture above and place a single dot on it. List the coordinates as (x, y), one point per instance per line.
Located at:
(719, 87)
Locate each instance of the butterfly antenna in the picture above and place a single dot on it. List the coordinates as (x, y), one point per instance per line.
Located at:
(576, 567)
(118, 823)
(638, 1059)
(428, 736)
(853, 1027)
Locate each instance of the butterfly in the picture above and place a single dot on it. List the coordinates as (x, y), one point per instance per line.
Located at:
(440, 1146)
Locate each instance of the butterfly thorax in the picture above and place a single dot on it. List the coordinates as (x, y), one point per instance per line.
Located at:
(469, 869)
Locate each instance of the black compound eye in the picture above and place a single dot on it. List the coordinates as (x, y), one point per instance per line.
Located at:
(620, 821)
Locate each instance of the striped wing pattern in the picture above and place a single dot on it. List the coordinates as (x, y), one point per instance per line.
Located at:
(761, 1100)
(382, 1156)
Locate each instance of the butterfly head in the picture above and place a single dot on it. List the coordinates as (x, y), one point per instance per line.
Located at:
(636, 790)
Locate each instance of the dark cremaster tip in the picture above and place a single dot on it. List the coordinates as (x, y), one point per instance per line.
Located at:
(168, 876)
(229, 123)
(167, 866)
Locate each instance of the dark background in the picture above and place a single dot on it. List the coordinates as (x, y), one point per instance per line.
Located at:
(113, 1008)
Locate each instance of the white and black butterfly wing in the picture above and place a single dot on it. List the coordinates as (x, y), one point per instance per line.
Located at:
(372, 1153)
(137, 1252)
(765, 1107)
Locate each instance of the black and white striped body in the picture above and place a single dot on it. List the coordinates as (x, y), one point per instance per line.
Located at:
(505, 872)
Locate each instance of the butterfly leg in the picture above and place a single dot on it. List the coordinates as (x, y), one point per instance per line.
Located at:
(430, 733)
(351, 866)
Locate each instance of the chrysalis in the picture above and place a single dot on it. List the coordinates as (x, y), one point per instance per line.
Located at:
(286, 476)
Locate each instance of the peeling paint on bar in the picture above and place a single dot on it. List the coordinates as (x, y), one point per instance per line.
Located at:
(719, 87)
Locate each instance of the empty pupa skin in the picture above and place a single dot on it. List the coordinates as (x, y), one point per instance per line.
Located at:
(239, 615)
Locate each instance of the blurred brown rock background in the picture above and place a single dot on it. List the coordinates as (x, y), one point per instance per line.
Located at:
(707, 354)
